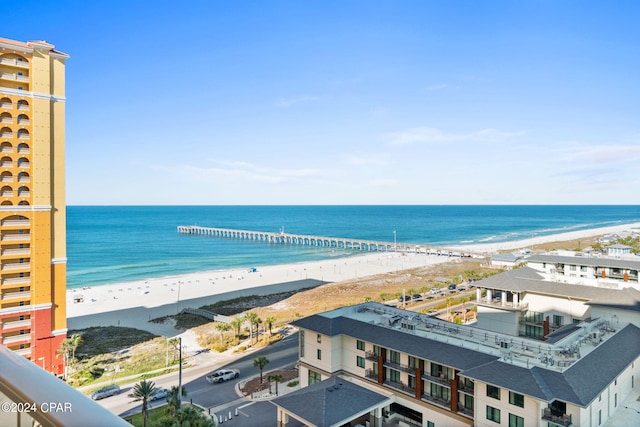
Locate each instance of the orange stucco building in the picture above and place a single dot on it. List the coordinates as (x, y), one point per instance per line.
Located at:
(32, 201)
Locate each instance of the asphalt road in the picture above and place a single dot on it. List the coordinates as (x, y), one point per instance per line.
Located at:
(219, 398)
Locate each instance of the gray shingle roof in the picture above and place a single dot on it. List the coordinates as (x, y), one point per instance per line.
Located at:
(330, 402)
(421, 347)
(580, 384)
(586, 260)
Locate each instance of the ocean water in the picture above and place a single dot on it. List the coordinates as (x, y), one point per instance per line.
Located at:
(112, 244)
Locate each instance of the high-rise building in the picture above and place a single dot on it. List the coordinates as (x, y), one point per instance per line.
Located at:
(32, 201)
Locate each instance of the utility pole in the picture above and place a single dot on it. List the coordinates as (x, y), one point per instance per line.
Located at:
(180, 375)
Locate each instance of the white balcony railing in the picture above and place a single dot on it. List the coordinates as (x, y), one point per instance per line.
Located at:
(15, 237)
(16, 338)
(24, 179)
(24, 193)
(16, 295)
(23, 151)
(14, 62)
(6, 193)
(23, 351)
(8, 120)
(17, 281)
(16, 266)
(16, 223)
(6, 178)
(6, 105)
(15, 252)
(14, 76)
(16, 324)
(23, 121)
(24, 107)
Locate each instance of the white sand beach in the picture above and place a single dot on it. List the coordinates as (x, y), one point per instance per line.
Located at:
(133, 304)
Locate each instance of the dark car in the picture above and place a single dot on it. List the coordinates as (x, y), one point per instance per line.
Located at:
(417, 297)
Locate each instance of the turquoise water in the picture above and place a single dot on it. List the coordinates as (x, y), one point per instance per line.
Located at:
(111, 244)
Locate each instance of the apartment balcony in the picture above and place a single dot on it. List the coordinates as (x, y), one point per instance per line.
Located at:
(23, 135)
(14, 77)
(6, 164)
(13, 62)
(17, 281)
(370, 355)
(399, 367)
(465, 388)
(432, 398)
(16, 266)
(371, 374)
(467, 412)
(16, 295)
(439, 380)
(5, 105)
(7, 120)
(25, 352)
(6, 193)
(24, 194)
(24, 165)
(556, 418)
(506, 305)
(400, 386)
(16, 238)
(13, 339)
(15, 252)
(23, 150)
(24, 179)
(22, 324)
(6, 134)
(24, 121)
(23, 107)
(6, 178)
(23, 223)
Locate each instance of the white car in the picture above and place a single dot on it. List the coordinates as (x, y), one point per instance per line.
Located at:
(160, 393)
(223, 375)
(107, 391)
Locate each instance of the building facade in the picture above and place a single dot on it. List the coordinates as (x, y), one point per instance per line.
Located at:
(32, 201)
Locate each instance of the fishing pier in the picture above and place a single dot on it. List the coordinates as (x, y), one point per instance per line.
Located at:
(283, 238)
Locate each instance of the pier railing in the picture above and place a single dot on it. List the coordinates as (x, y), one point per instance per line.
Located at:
(318, 241)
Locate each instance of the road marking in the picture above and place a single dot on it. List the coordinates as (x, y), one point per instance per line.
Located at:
(245, 405)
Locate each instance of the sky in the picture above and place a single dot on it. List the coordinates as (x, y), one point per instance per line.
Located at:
(345, 102)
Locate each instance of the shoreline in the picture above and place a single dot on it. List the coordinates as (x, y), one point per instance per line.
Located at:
(133, 304)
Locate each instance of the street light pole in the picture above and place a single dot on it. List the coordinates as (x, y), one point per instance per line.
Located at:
(180, 375)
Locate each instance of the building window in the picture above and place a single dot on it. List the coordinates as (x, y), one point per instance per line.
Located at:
(599, 416)
(493, 414)
(360, 345)
(557, 320)
(516, 399)
(493, 392)
(394, 357)
(314, 377)
(515, 421)
(376, 350)
(360, 361)
(430, 424)
(615, 400)
(319, 354)
(440, 392)
(394, 375)
(319, 339)
(413, 362)
(301, 343)
(412, 382)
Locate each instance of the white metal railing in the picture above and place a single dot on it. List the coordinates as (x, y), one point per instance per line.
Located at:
(16, 324)
(6, 193)
(6, 178)
(23, 121)
(6, 149)
(21, 251)
(23, 351)
(23, 106)
(6, 164)
(24, 179)
(16, 338)
(23, 135)
(7, 120)
(23, 165)
(16, 266)
(23, 150)
(16, 222)
(14, 295)
(14, 76)
(23, 193)
(5, 105)
(6, 134)
(14, 62)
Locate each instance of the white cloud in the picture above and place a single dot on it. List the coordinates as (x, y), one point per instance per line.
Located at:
(604, 153)
(428, 135)
(442, 86)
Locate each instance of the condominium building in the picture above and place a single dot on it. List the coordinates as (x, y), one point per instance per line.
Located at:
(387, 365)
(32, 201)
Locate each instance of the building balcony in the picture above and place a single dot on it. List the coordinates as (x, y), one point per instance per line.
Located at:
(24, 121)
(399, 367)
(6, 134)
(400, 386)
(16, 237)
(24, 194)
(13, 339)
(465, 388)
(7, 120)
(16, 266)
(6, 193)
(25, 352)
(371, 374)
(467, 412)
(432, 398)
(22, 150)
(17, 281)
(370, 355)
(23, 107)
(12, 62)
(23, 223)
(14, 77)
(443, 380)
(15, 252)
(25, 179)
(5, 105)
(22, 324)
(16, 295)
(505, 305)
(556, 418)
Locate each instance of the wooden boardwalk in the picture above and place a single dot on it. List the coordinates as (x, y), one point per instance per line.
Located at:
(318, 241)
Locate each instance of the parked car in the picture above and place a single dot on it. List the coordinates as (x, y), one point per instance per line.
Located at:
(107, 391)
(417, 297)
(452, 286)
(223, 375)
(160, 393)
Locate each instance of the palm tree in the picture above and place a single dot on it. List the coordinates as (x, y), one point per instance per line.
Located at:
(187, 416)
(236, 323)
(173, 401)
(222, 328)
(143, 391)
(252, 318)
(75, 341)
(260, 363)
(270, 321)
(276, 378)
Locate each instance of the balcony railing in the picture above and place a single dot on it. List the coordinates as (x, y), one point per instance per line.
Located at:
(6, 105)
(15, 237)
(16, 295)
(14, 76)
(23, 150)
(17, 281)
(23, 351)
(16, 266)
(16, 324)
(440, 380)
(23, 121)
(6, 120)
(16, 223)
(371, 374)
(24, 179)
(16, 338)
(465, 411)
(24, 193)
(370, 355)
(398, 385)
(399, 367)
(465, 388)
(505, 304)
(6, 193)
(23, 107)
(556, 418)
(437, 400)
(14, 62)
(6, 134)
(15, 252)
